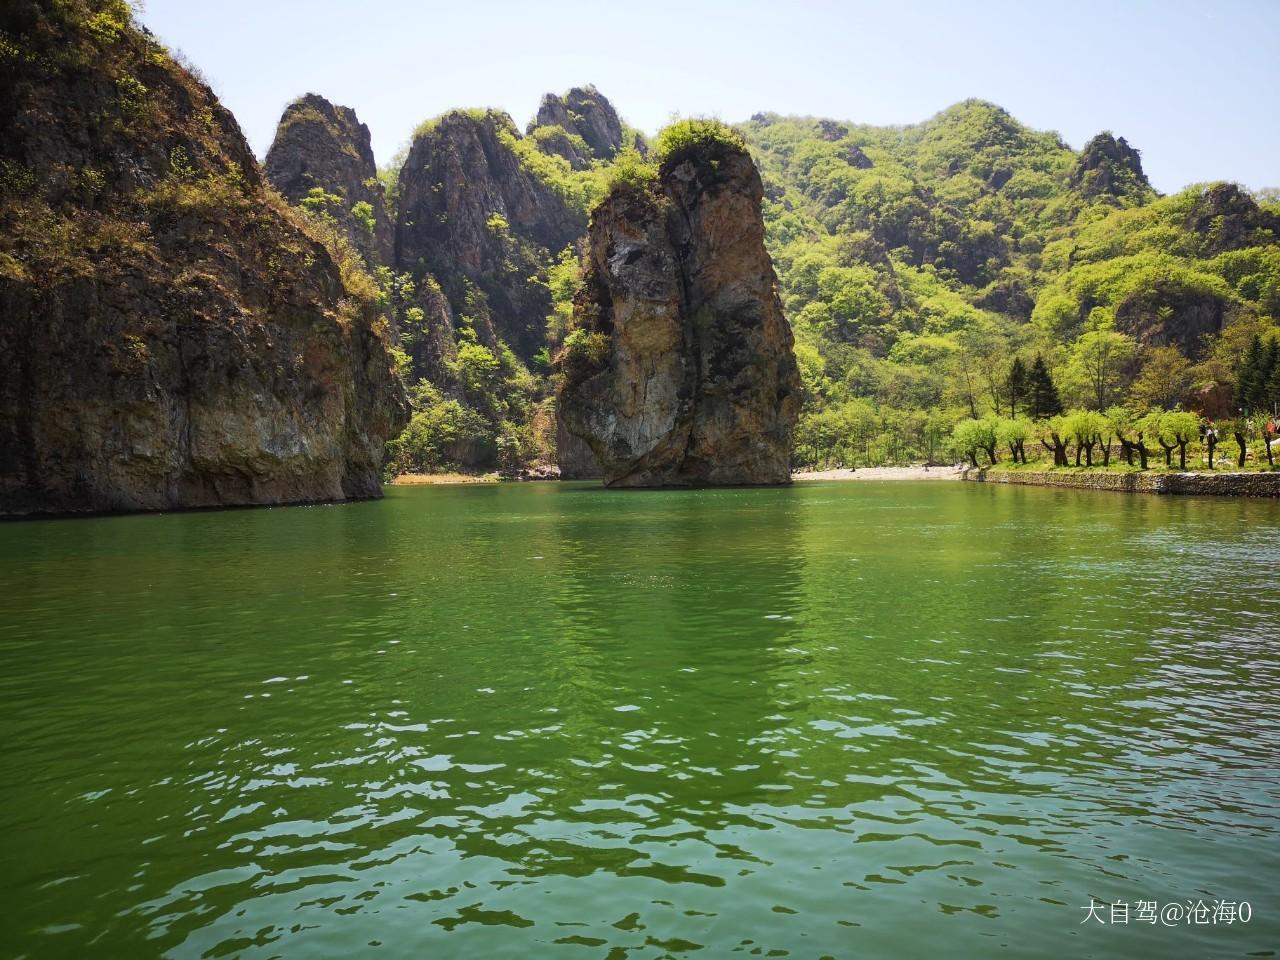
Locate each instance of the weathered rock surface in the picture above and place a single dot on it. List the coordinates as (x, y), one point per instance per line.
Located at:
(586, 113)
(558, 142)
(481, 223)
(681, 371)
(1169, 313)
(574, 456)
(854, 156)
(1108, 165)
(169, 338)
(318, 144)
(1227, 218)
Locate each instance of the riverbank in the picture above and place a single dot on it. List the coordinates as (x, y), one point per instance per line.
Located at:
(416, 479)
(883, 473)
(861, 473)
(1217, 483)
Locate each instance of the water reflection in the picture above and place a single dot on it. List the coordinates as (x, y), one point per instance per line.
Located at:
(509, 721)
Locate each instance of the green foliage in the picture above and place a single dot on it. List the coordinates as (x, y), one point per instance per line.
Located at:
(971, 436)
(555, 134)
(583, 355)
(836, 434)
(1095, 372)
(562, 283)
(320, 204)
(1013, 432)
(909, 260)
(441, 434)
(362, 213)
(579, 189)
(1017, 385)
(479, 370)
(631, 170)
(1256, 377)
(1165, 379)
(684, 138)
(497, 224)
(952, 270)
(1042, 392)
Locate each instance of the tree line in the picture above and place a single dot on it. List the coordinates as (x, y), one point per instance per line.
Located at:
(1089, 438)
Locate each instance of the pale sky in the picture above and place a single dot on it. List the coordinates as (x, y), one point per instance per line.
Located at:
(1194, 85)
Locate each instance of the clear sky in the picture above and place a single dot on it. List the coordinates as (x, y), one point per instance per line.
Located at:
(1193, 84)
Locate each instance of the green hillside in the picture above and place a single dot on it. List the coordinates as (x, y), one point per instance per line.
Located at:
(916, 263)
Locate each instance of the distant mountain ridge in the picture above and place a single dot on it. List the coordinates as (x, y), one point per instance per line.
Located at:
(913, 261)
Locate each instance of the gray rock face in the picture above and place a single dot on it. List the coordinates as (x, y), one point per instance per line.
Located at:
(210, 352)
(1109, 166)
(681, 370)
(1227, 218)
(318, 144)
(558, 142)
(586, 112)
(1170, 314)
(574, 456)
(474, 218)
(854, 156)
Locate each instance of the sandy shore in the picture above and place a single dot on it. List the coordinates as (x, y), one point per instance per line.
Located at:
(883, 473)
(862, 473)
(418, 478)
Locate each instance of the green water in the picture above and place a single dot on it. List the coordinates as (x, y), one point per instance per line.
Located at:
(847, 720)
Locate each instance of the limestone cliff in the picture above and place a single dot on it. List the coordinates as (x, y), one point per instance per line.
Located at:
(575, 459)
(319, 145)
(680, 370)
(169, 336)
(473, 215)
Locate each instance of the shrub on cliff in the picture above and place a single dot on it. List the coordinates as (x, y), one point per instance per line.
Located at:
(441, 434)
(687, 137)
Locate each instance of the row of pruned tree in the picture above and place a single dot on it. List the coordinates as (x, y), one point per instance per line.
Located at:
(1087, 438)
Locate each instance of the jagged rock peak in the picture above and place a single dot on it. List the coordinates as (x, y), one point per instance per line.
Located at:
(586, 113)
(475, 217)
(210, 351)
(1228, 218)
(319, 145)
(680, 369)
(1108, 165)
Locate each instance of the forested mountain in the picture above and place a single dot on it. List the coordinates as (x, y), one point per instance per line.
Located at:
(917, 262)
(914, 263)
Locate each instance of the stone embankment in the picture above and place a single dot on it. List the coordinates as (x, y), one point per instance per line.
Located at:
(1195, 484)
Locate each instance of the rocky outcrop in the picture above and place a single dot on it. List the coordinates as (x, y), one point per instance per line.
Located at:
(1109, 166)
(574, 456)
(319, 145)
(1227, 218)
(1009, 296)
(1169, 312)
(834, 132)
(855, 158)
(680, 370)
(171, 337)
(583, 112)
(558, 142)
(474, 217)
(831, 130)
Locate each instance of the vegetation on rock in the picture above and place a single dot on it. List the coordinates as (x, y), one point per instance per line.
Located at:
(174, 333)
